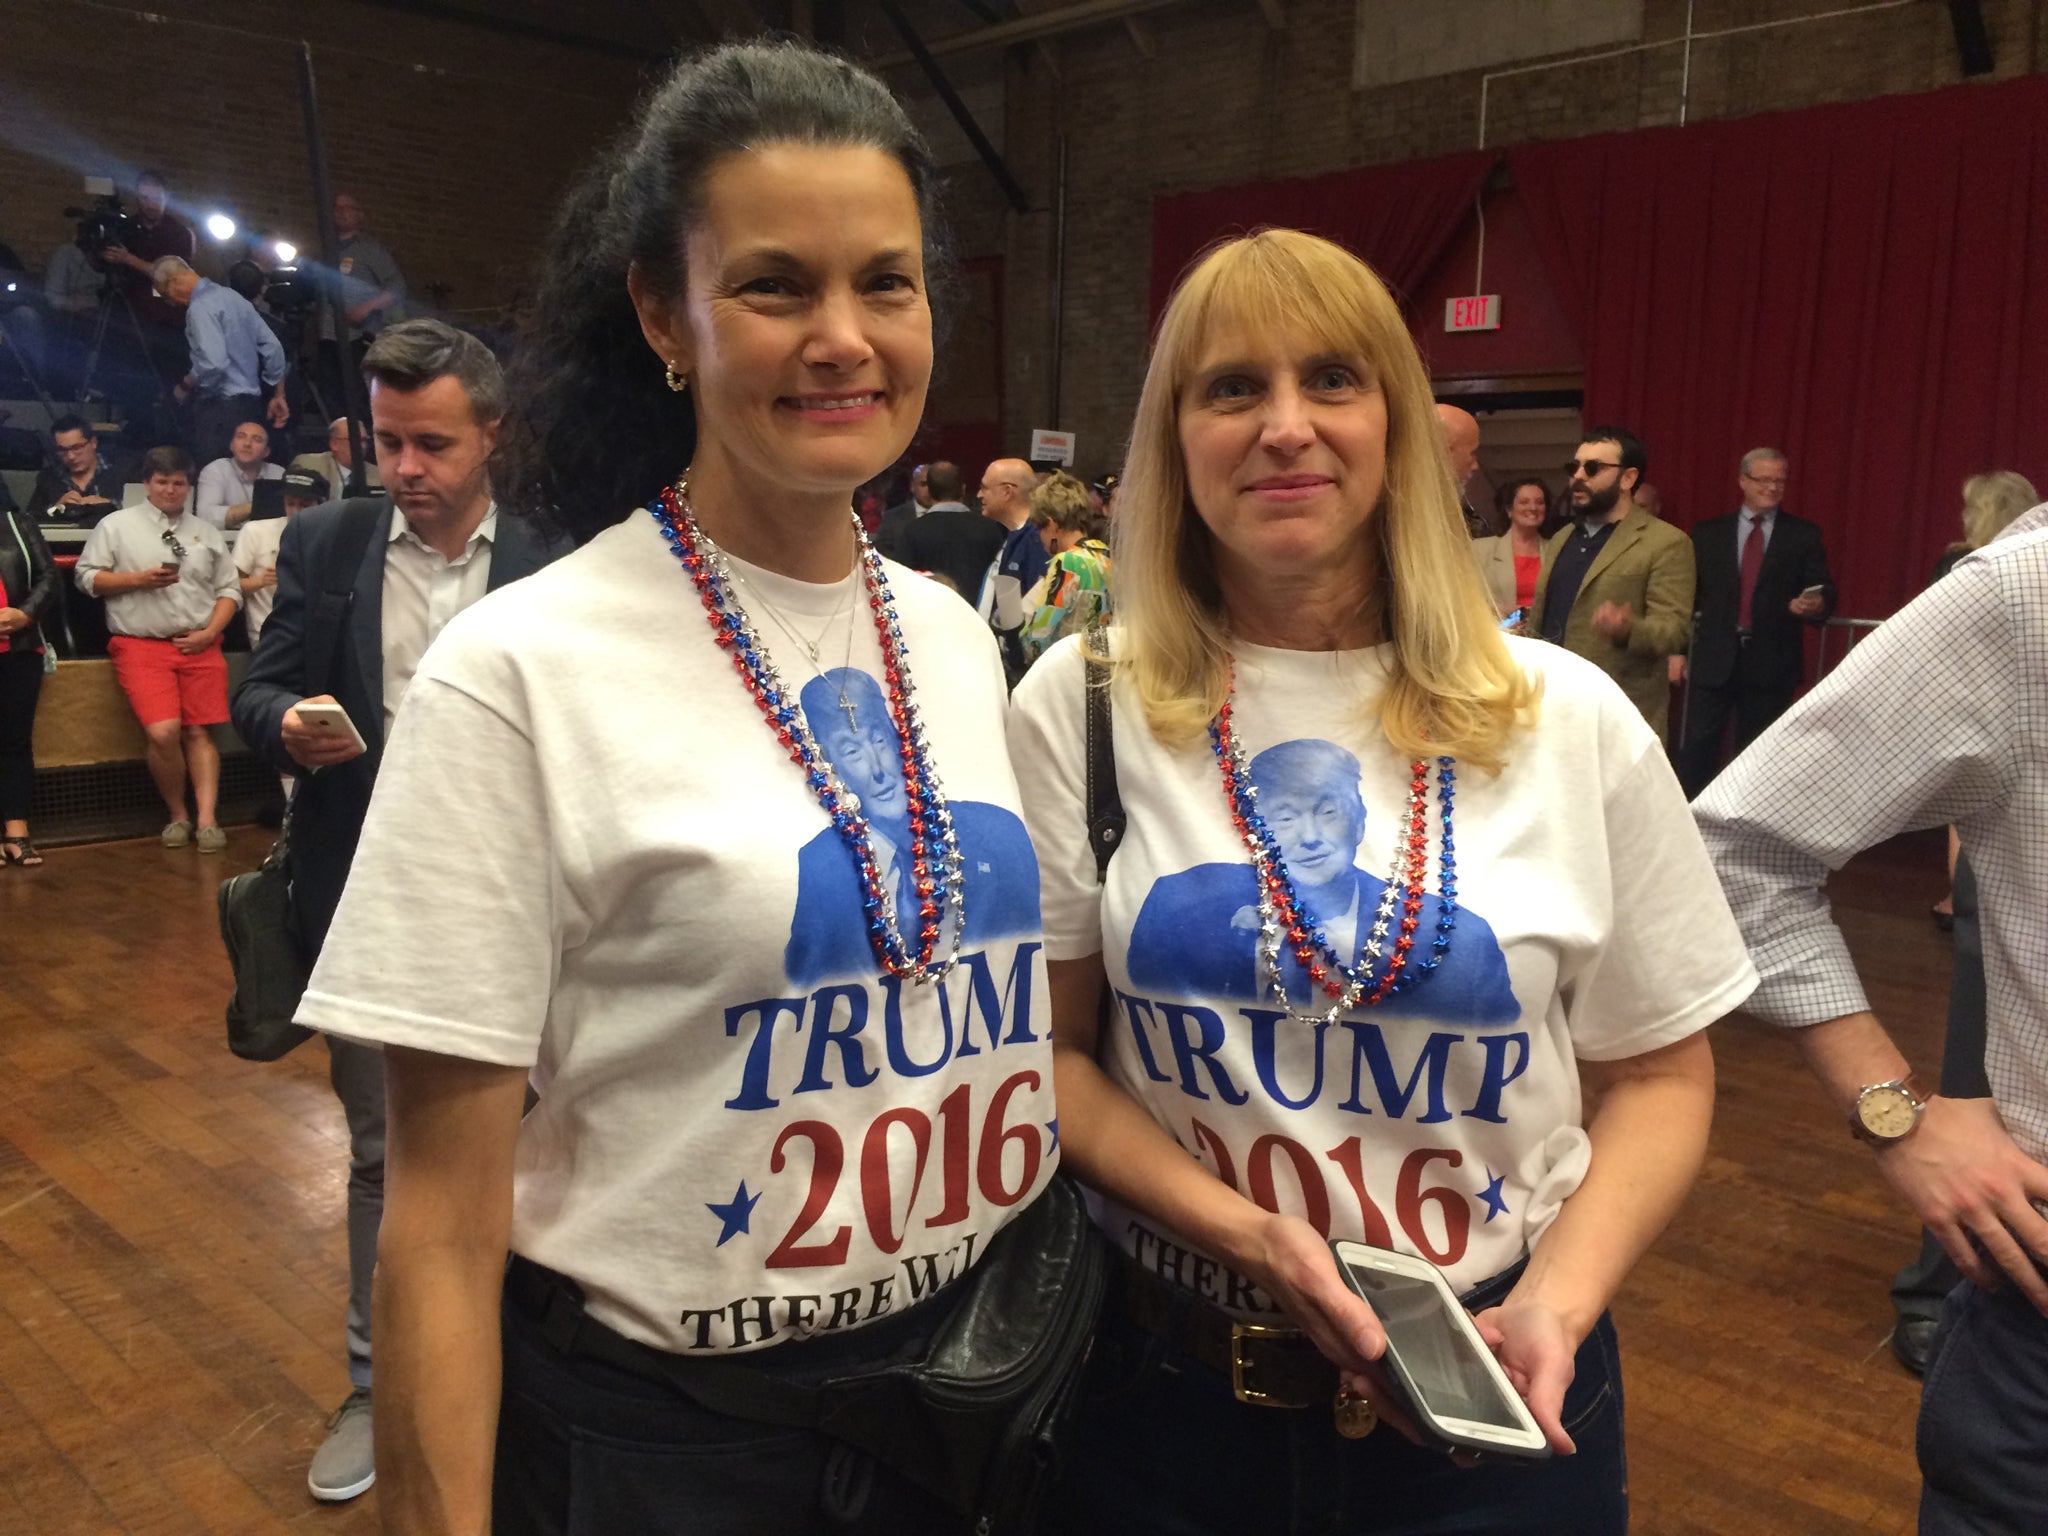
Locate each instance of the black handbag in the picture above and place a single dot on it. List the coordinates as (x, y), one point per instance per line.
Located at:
(975, 1418)
(257, 925)
(262, 942)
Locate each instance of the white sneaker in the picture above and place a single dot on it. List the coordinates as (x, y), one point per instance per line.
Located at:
(344, 1466)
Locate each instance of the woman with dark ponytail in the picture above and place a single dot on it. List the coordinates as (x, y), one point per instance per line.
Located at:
(709, 829)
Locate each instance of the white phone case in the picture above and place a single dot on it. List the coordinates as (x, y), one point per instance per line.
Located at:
(1357, 1263)
(326, 718)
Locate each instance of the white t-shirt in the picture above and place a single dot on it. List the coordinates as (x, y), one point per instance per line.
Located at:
(256, 550)
(1447, 1120)
(588, 853)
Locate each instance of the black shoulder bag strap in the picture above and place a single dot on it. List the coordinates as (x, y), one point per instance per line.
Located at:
(1105, 804)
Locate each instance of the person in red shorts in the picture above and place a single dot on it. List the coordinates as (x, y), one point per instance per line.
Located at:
(170, 588)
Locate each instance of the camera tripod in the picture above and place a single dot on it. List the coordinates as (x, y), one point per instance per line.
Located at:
(113, 295)
(23, 363)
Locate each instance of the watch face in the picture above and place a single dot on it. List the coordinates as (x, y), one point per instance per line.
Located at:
(1886, 1113)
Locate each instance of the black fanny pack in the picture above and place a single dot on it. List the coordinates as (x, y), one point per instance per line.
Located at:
(973, 1415)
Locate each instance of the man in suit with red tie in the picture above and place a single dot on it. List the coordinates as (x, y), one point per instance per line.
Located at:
(1763, 576)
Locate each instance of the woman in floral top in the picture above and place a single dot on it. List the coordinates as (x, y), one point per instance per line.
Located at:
(1075, 591)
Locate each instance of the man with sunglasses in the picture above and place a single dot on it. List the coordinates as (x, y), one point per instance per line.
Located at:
(1763, 577)
(1616, 583)
(170, 587)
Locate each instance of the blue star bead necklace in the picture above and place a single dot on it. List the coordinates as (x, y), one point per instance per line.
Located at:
(1284, 920)
(936, 868)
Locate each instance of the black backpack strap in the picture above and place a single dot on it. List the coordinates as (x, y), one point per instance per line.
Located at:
(1105, 804)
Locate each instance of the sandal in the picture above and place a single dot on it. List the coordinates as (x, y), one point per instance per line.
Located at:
(19, 850)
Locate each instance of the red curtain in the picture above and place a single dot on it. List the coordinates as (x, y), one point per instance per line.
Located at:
(1397, 218)
(1863, 286)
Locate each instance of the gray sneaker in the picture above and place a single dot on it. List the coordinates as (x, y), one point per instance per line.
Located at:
(176, 835)
(344, 1466)
(212, 840)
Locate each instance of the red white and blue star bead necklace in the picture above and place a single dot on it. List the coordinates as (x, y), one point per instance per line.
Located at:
(936, 870)
(1284, 921)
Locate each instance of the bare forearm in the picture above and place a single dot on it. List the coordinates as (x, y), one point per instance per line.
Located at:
(437, 1387)
(440, 1266)
(223, 610)
(1116, 1147)
(1849, 1054)
(1649, 1136)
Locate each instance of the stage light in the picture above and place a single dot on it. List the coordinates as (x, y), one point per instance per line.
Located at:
(220, 226)
(287, 253)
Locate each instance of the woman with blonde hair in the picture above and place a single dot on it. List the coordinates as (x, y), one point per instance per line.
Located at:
(1074, 591)
(1260, 1043)
(1990, 503)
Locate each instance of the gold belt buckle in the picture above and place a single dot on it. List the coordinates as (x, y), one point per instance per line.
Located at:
(1240, 1367)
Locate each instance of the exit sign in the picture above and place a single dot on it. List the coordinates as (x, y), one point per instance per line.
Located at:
(1475, 312)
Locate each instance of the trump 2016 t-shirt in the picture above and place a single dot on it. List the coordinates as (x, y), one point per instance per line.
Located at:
(1446, 1122)
(588, 854)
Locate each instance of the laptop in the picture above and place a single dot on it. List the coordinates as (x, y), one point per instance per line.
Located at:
(266, 500)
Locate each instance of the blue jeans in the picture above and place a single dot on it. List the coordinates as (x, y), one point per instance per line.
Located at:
(1983, 1435)
(585, 1449)
(1162, 1448)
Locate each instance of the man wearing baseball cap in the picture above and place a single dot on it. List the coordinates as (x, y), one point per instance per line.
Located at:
(256, 548)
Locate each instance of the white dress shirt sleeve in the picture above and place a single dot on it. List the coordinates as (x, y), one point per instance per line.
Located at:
(97, 556)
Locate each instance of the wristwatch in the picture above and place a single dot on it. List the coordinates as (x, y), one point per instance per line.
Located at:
(1886, 1113)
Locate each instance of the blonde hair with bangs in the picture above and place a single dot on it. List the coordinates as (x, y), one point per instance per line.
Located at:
(1452, 685)
(1991, 502)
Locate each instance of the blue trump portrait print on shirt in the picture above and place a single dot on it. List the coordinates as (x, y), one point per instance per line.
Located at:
(1197, 932)
(828, 937)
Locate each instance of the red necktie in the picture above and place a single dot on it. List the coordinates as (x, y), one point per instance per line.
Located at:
(1752, 562)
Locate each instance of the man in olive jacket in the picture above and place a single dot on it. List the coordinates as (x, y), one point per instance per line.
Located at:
(1617, 584)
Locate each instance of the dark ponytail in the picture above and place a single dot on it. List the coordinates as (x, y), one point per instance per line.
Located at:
(591, 428)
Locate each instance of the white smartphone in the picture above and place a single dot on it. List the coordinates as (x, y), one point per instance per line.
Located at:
(1457, 1389)
(331, 720)
(1815, 590)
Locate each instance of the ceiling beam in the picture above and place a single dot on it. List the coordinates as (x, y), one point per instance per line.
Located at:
(990, 155)
(989, 15)
(1027, 29)
(511, 26)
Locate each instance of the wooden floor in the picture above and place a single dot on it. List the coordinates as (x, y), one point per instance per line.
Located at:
(173, 1266)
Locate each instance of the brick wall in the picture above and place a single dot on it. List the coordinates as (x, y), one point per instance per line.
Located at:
(1229, 100)
(458, 141)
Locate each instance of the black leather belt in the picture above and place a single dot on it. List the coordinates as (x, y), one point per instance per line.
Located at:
(1267, 1365)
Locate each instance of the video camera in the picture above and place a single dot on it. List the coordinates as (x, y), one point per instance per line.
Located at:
(290, 290)
(101, 223)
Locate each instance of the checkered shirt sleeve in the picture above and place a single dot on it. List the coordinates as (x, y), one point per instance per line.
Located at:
(1924, 724)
